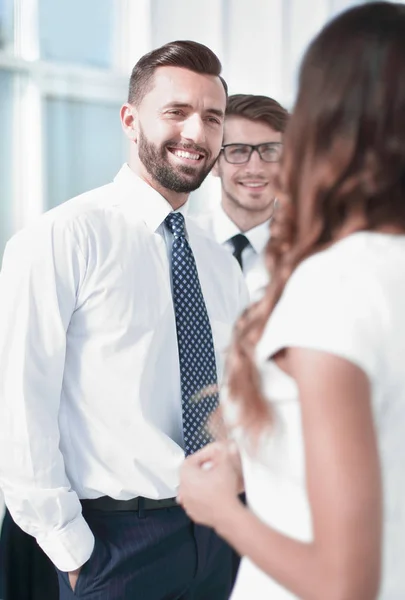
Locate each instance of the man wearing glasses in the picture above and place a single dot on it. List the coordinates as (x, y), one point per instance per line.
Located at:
(247, 166)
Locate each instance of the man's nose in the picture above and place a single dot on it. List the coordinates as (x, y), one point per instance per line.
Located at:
(193, 129)
(255, 163)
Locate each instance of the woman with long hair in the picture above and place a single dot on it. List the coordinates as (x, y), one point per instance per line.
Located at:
(315, 395)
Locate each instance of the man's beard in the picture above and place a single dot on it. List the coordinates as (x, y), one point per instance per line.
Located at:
(176, 179)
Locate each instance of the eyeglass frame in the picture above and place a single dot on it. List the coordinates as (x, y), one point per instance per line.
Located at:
(253, 148)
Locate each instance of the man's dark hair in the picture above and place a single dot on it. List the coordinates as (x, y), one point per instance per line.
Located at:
(258, 108)
(185, 54)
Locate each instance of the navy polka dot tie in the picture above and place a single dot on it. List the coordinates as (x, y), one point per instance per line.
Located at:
(198, 371)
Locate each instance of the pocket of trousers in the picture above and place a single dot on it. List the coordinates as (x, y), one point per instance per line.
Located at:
(89, 571)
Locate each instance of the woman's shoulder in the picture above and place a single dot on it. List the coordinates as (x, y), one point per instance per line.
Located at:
(362, 256)
(336, 299)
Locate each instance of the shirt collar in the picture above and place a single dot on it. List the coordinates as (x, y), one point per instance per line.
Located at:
(141, 200)
(259, 236)
(225, 228)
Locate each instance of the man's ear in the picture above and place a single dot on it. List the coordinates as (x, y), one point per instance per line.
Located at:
(129, 121)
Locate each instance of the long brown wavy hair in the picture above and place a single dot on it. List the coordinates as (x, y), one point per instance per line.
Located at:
(344, 153)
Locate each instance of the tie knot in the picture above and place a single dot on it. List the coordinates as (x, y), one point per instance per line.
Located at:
(239, 242)
(175, 224)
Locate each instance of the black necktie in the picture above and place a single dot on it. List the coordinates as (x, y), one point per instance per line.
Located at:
(239, 243)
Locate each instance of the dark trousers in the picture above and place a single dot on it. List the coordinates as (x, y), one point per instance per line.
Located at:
(236, 558)
(160, 555)
(26, 573)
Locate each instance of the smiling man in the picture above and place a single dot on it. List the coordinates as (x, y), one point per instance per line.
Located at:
(178, 141)
(112, 324)
(247, 167)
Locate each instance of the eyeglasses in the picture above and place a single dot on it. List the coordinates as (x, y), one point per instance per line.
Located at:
(238, 154)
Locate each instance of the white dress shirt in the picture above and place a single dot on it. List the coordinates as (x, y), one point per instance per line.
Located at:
(90, 399)
(222, 228)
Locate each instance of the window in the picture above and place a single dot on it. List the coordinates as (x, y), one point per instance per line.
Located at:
(63, 77)
(6, 158)
(85, 147)
(6, 25)
(78, 31)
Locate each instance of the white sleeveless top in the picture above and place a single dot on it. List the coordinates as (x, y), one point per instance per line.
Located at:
(348, 300)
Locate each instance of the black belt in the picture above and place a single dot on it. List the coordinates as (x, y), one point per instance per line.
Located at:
(138, 504)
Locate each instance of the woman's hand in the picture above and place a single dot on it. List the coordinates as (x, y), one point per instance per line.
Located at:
(210, 482)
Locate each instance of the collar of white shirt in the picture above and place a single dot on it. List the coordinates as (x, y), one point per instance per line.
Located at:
(225, 228)
(140, 200)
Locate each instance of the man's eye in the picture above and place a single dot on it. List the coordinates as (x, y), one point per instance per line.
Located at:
(239, 151)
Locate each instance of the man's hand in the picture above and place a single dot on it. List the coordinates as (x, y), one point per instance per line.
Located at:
(73, 577)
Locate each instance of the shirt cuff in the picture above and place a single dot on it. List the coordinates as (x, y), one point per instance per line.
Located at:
(69, 548)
